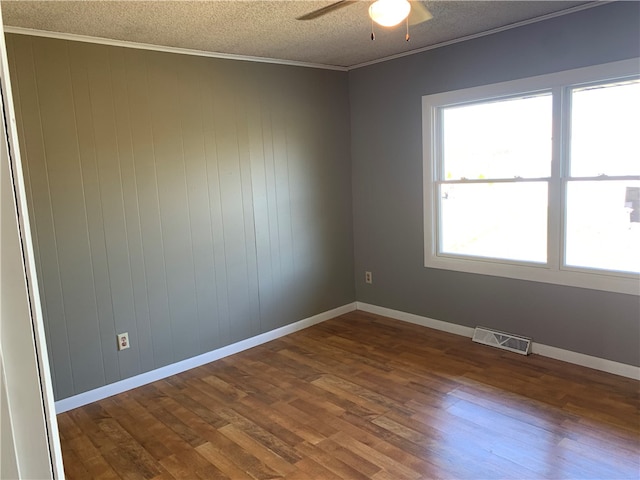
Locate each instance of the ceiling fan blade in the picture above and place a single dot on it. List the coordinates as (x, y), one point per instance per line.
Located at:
(419, 13)
(324, 10)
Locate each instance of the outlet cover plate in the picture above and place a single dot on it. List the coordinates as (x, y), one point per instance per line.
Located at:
(123, 341)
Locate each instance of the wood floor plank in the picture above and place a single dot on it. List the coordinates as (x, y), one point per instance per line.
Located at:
(74, 467)
(190, 465)
(81, 446)
(89, 425)
(140, 461)
(281, 440)
(356, 395)
(365, 437)
(308, 469)
(68, 428)
(156, 437)
(220, 461)
(384, 463)
(362, 396)
(258, 449)
(314, 429)
(336, 465)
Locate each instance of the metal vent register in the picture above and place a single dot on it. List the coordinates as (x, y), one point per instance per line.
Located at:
(506, 341)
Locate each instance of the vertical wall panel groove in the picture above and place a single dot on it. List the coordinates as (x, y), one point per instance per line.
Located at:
(206, 251)
(274, 316)
(190, 132)
(219, 227)
(215, 213)
(264, 277)
(176, 198)
(51, 270)
(244, 149)
(65, 184)
(29, 193)
(142, 336)
(159, 308)
(129, 361)
(108, 377)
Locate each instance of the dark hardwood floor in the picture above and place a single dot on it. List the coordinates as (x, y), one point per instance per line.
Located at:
(364, 397)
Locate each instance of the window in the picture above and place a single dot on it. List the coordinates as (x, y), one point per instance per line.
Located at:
(537, 179)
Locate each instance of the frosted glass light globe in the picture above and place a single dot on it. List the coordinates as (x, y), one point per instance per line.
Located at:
(389, 13)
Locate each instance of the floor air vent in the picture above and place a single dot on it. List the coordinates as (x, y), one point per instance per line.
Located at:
(506, 341)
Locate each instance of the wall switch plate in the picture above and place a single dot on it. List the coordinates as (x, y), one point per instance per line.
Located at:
(123, 341)
(368, 277)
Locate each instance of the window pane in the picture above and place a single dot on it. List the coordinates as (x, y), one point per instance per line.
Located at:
(603, 225)
(495, 220)
(501, 139)
(605, 121)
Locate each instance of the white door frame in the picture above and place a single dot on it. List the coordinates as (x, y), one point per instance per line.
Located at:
(43, 421)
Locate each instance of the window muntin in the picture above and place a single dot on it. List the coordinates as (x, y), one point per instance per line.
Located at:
(566, 258)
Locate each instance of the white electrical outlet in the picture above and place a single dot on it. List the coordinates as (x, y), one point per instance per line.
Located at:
(123, 341)
(368, 277)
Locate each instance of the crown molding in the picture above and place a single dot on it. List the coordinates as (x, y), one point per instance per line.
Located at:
(227, 56)
(530, 21)
(160, 48)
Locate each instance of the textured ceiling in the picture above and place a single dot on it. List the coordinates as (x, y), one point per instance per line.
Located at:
(269, 29)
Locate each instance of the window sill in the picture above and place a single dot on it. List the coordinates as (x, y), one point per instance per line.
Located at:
(592, 279)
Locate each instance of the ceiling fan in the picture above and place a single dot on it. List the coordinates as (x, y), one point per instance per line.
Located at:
(387, 13)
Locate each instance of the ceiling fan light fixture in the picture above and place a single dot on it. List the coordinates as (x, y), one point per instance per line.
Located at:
(389, 13)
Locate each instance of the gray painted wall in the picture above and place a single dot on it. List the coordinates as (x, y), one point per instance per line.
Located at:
(196, 202)
(387, 186)
(192, 202)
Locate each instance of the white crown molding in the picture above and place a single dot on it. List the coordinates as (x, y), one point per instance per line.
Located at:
(100, 393)
(159, 48)
(602, 364)
(202, 53)
(542, 18)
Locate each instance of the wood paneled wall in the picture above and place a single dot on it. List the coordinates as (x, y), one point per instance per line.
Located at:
(192, 202)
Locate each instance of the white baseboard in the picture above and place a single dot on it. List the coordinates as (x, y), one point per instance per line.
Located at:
(596, 363)
(609, 366)
(91, 396)
(417, 319)
(129, 383)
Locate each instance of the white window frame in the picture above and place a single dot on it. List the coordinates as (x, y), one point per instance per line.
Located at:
(553, 271)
